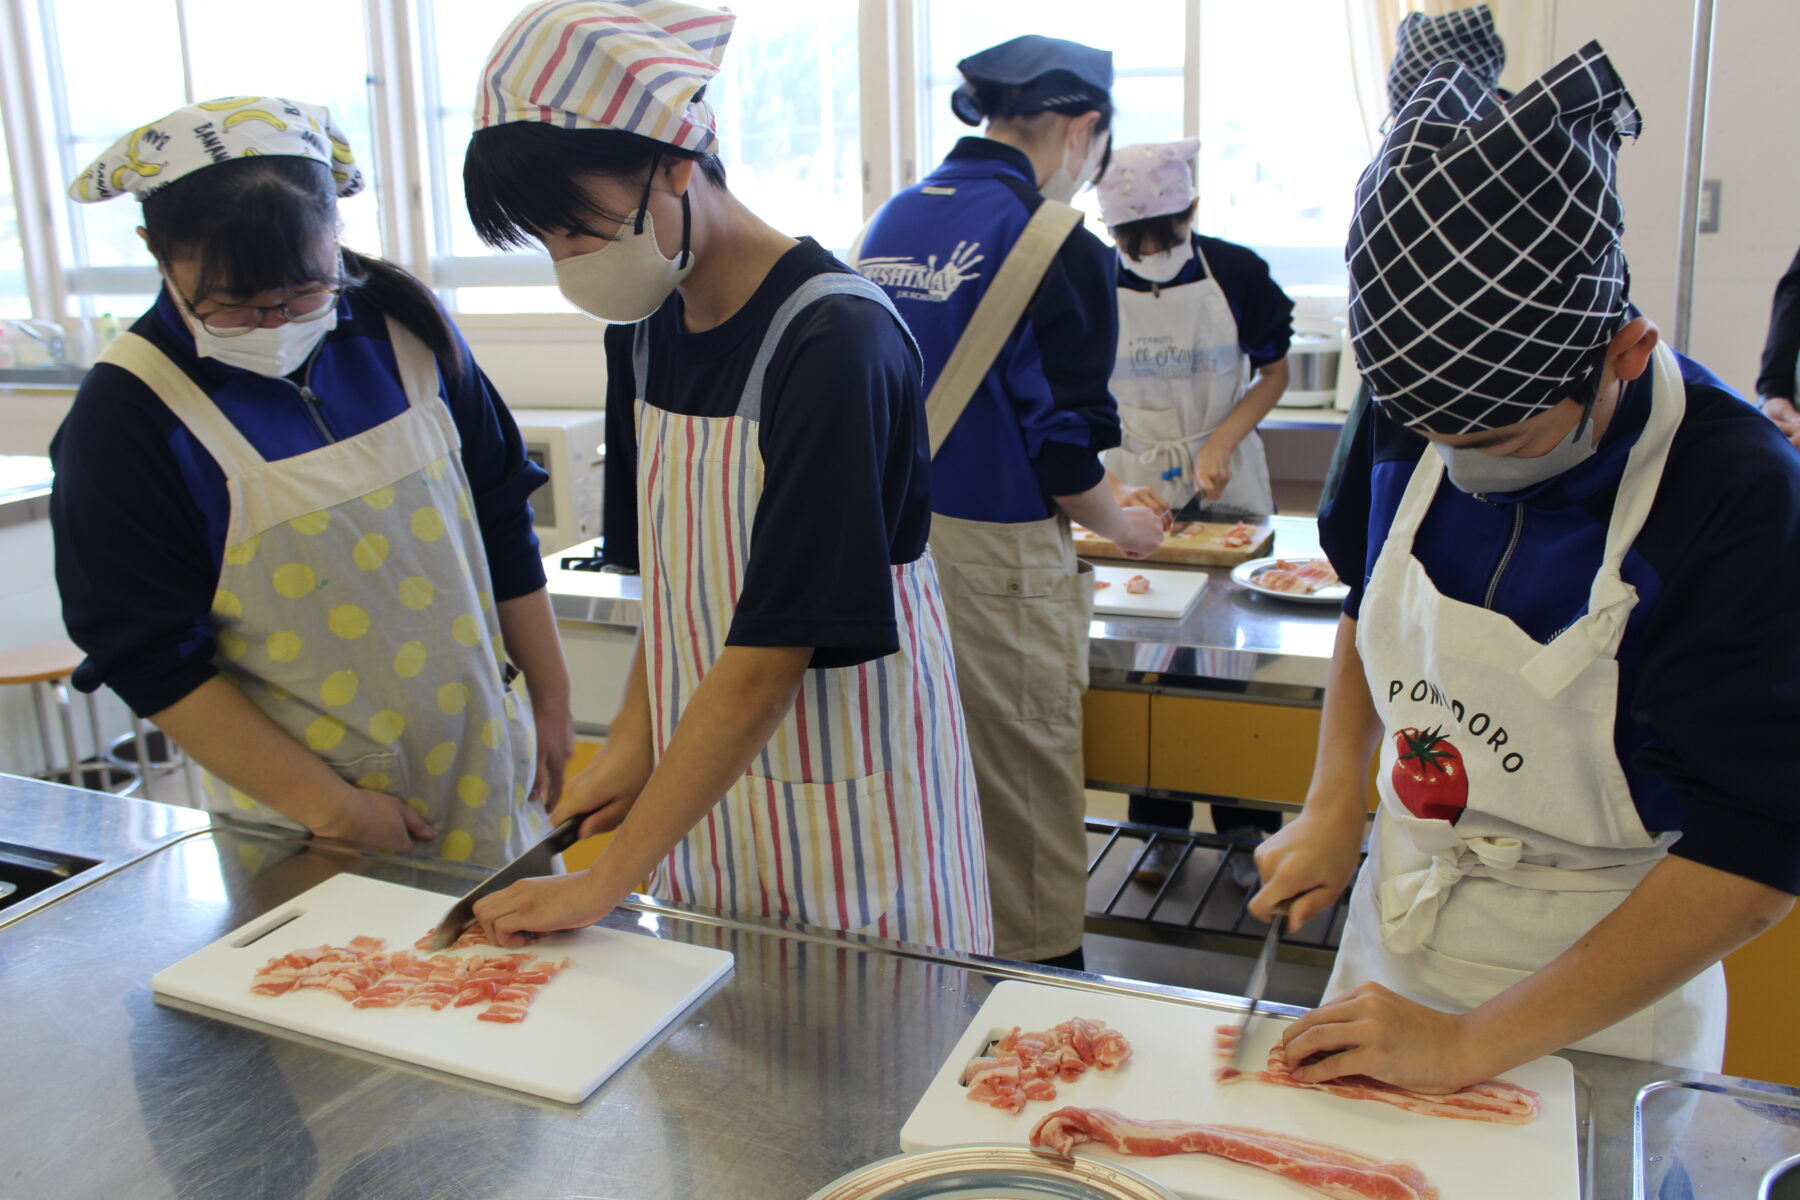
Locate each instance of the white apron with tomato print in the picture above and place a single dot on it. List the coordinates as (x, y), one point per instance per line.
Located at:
(860, 813)
(1506, 829)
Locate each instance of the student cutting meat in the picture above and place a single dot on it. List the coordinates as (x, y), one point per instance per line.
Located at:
(1570, 631)
(1012, 303)
(789, 744)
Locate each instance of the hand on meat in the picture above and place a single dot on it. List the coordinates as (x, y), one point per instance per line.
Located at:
(1373, 1031)
(1212, 467)
(541, 905)
(374, 819)
(1311, 860)
(608, 786)
(1147, 498)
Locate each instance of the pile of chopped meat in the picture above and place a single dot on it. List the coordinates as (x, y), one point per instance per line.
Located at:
(1494, 1101)
(1241, 534)
(1330, 1170)
(1026, 1066)
(1301, 578)
(369, 975)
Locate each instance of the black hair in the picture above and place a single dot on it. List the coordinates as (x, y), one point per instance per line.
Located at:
(1151, 234)
(993, 99)
(257, 224)
(523, 179)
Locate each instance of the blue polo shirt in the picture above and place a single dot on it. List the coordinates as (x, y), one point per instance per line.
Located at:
(1709, 668)
(140, 508)
(1036, 425)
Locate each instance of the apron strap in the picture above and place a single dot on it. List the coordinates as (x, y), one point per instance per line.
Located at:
(996, 316)
(810, 292)
(187, 400)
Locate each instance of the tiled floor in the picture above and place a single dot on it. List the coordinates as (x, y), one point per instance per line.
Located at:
(1289, 983)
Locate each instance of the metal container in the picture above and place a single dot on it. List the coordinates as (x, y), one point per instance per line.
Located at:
(991, 1172)
(1312, 369)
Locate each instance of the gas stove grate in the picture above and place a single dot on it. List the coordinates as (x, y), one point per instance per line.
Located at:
(1198, 905)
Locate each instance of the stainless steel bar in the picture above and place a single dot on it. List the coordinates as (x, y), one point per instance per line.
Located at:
(1094, 862)
(42, 694)
(76, 777)
(1687, 231)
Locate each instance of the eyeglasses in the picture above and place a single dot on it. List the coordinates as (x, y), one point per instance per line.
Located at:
(242, 318)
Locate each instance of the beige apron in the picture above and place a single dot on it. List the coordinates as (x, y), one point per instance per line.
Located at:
(354, 608)
(1452, 912)
(1019, 603)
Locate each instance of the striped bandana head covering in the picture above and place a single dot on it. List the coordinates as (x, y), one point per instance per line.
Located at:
(1152, 179)
(1486, 275)
(153, 156)
(1466, 36)
(630, 65)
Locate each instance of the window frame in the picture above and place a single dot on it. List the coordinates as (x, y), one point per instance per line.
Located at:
(410, 166)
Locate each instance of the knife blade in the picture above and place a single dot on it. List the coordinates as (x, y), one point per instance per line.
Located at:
(1259, 979)
(1202, 509)
(538, 860)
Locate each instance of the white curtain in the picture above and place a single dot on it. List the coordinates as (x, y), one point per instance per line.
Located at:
(1524, 26)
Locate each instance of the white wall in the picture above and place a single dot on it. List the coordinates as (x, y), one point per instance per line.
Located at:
(1751, 148)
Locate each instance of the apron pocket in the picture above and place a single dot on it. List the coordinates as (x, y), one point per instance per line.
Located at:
(1020, 636)
(825, 854)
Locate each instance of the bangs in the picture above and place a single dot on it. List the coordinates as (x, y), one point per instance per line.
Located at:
(524, 179)
(253, 225)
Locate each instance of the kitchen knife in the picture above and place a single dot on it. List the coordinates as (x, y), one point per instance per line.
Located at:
(1202, 509)
(1259, 979)
(538, 860)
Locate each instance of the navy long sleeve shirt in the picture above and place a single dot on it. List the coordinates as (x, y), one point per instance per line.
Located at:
(1709, 668)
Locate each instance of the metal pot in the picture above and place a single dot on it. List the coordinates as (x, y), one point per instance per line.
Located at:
(991, 1171)
(1312, 369)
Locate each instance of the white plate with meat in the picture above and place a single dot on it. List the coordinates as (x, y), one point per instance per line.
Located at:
(1152, 1099)
(1307, 580)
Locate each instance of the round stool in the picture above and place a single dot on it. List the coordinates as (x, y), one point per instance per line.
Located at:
(45, 667)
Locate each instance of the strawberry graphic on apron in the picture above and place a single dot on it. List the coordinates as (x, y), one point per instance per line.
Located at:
(1428, 775)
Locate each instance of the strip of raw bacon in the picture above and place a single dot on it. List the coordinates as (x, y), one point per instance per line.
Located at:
(368, 975)
(1239, 535)
(1495, 1100)
(1330, 1170)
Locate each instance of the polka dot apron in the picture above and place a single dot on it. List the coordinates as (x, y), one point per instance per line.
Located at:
(354, 608)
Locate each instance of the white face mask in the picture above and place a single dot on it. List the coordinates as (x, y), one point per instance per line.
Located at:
(1479, 474)
(1164, 265)
(272, 352)
(1066, 181)
(626, 280)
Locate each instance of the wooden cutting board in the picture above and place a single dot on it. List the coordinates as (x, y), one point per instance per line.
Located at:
(1170, 1077)
(622, 991)
(1198, 544)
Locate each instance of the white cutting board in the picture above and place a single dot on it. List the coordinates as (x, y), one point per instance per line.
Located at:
(1171, 593)
(620, 992)
(1170, 1077)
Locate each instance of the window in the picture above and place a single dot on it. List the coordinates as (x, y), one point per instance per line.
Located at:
(137, 60)
(1281, 139)
(789, 132)
(14, 302)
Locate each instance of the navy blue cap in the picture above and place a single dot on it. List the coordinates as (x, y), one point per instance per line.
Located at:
(1049, 73)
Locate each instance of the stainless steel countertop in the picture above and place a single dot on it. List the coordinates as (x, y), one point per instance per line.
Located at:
(802, 1066)
(1233, 640)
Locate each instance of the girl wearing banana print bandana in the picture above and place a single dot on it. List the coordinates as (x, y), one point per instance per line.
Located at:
(290, 513)
(1570, 628)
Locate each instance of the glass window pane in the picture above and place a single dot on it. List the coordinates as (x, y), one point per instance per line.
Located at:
(458, 35)
(98, 45)
(322, 58)
(1278, 172)
(13, 299)
(790, 117)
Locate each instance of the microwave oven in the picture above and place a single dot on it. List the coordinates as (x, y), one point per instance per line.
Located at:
(568, 444)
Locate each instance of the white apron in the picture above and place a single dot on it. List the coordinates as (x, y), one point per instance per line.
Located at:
(1451, 913)
(354, 608)
(860, 813)
(1179, 372)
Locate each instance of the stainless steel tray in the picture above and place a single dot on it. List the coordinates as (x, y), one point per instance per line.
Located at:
(991, 1172)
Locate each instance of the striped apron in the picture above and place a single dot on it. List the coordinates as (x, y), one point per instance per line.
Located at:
(860, 812)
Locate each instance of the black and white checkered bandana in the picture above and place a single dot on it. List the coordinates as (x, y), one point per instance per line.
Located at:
(1486, 276)
(1466, 36)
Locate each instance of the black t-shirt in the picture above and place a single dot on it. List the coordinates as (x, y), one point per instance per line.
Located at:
(846, 466)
